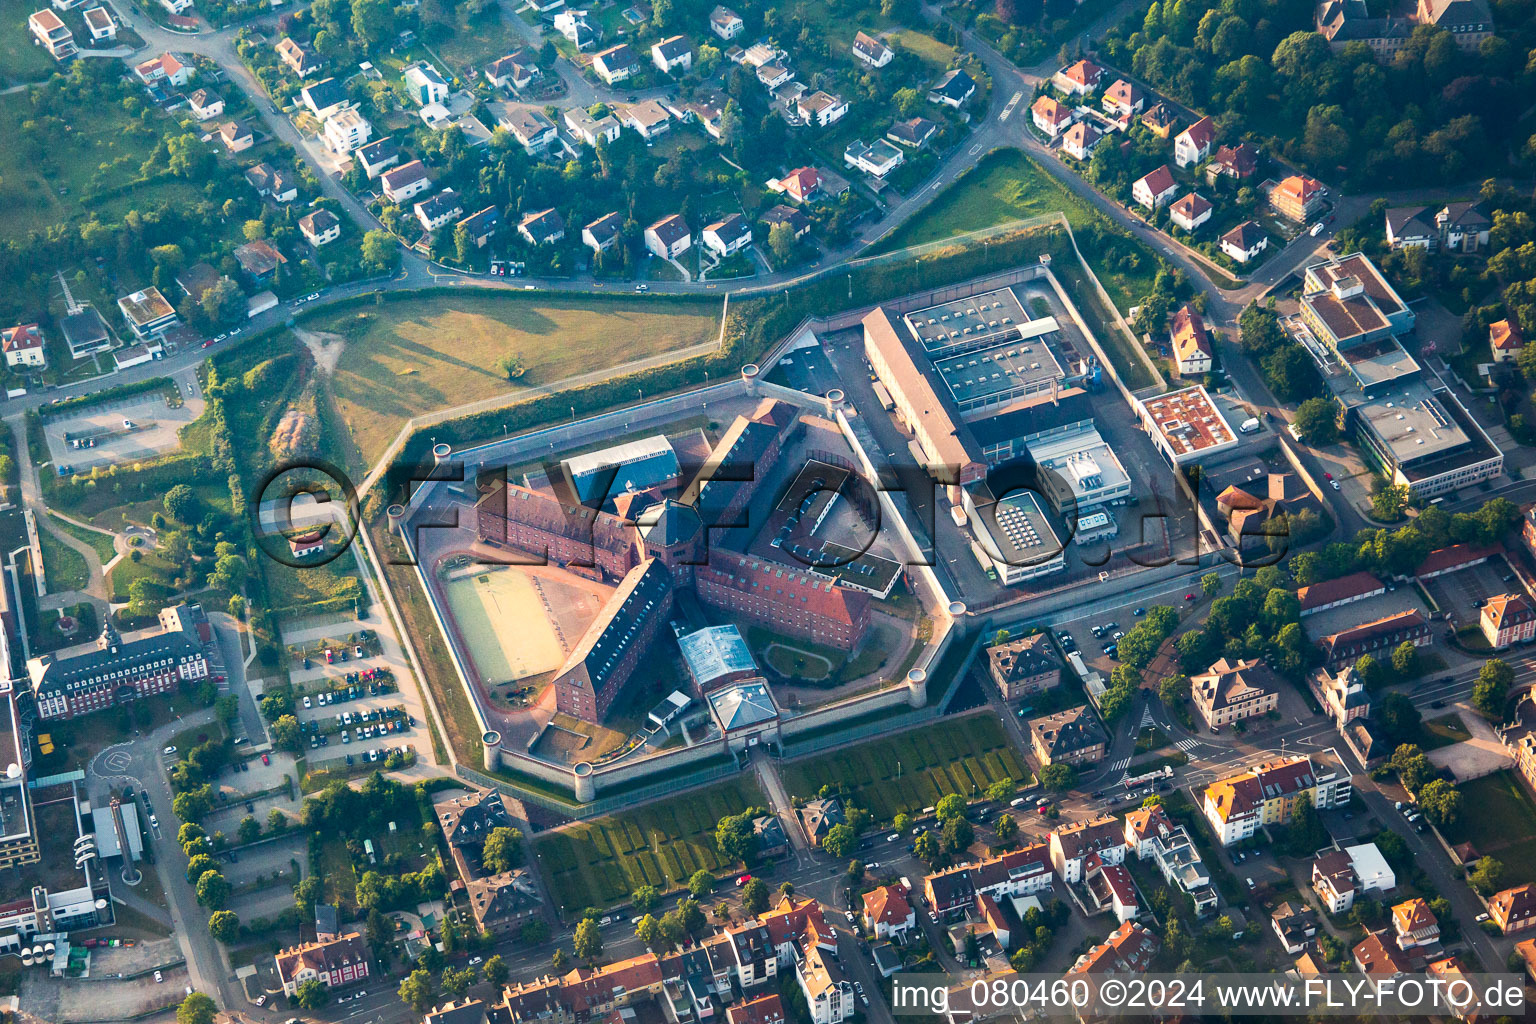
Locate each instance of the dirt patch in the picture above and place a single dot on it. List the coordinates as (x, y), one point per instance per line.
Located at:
(325, 347)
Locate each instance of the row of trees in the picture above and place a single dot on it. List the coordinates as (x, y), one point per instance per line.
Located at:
(1399, 551)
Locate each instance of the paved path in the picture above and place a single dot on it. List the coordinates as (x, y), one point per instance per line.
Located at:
(31, 496)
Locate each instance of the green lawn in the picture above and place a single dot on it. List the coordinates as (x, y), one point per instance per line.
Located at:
(100, 541)
(1499, 819)
(153, 567)
(601, 862)
(913, 770)
(477, 43)
(20, 59)
(436, 351)
(65, 567)
(312, 589)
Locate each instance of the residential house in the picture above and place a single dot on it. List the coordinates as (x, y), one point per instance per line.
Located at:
(887, 913)
(299, 57)
(726, 23)
(1297, 198)
(321, 227)
(774, 74)
(1506, 340)
(1376, 956)
(147, 312)
(1159, 119)
(1194, 143)
(237, 138)
(100, 24)
(1079, 140)
(1244, 242)
(1295, 924)
(378, 156)
(1508, 619)
(603, 232)
(616, 63)
(324, 97)
(263, 178)
(259, 260)
(469, 1011)
(515, 72)
(1128, 950)
(86, 332)
(1411, 227)
(772, 840)
(1334, 881)
(335, 963)
(1050, 116)
(405, 181)
(819, 816)
(877, 159)
(1072, 845)
(544, 227)
(768, 1009)
(871, 50)
(1237, 805)
(347, 130)
(197, 279)
(433, 213)
(1111, 888)
(1070, 737)
(828, 992)
(1335, 593)
(953, 89)
(1190, 212)
(728, 236)
(589, 129)
(820, 108)
(482, 226)
(1124, 99)
(1343, 695)
(1015, 873)
(1078, 79)
(23, 346)
(1191, 343)
(1230, 691)
(1464, 226)
(1239, 163)
(1415, 924)
(1514, 910)
(706, 109)
(802, 184)
(501, 903)
(575, 27)
(672, 55)
(532, 130)
(1023, 666)
(799, 223)
(648, 118)
(1155, 189)
(913, 133)
(205, 104)
(171, 68)
(425, 85)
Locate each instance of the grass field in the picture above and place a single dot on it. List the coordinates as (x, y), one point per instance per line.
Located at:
(488, 37)
(20, 59)
(913, 770)
(601, 862)
(406, 358)
(100, 541)
(307, 590)
(65, 567)
(1499, 819)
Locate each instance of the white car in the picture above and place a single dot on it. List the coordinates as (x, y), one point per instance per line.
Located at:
(159, 977)
(154, 822)
(1481, 918)
(307, 703)
(1334, 484)
(170, 750)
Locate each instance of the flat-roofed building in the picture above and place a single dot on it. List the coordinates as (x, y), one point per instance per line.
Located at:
(1013, 535)
(1426, 439)
(147, 312)
(1080, 472)
(598, 477)
(1346, 302)
(1186, 425)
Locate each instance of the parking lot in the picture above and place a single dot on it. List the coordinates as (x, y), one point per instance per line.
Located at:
(1461, 594)
(280, 858)
(137, 428)
(104, 996)
(326, 717)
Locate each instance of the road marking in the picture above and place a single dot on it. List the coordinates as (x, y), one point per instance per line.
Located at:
(1120, 766)
(1013, 101)
(1187, 745)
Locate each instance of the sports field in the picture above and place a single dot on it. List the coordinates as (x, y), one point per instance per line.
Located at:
(502, 619)
(401, 359)
(913, 770)
(601, 862)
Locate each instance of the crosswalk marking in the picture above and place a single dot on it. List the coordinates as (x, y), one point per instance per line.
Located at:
(1120, 765)
(1187, 745)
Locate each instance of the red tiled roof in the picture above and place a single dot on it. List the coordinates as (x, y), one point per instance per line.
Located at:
(1356, 584)
(1202, 133)
(886, 905)
(1456, 554)
(1084, 72)
(1505, 336)
(1158, 181)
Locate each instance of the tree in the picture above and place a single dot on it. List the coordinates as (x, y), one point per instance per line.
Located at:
(754, 897)
(840, 840)
(311, 994)
(503, 849)
(511, 366)
(373, 20)
(1441, 802)
(224, 926)
(182, 504)
(194, 804)
(1412, 767)
(692, 915)
(588, 941)
(463, 243)
(213, 890)
(189, 833)
(456, 982)
(199, 866)
(416, 990)
(1002, 789)
(1388, 503)
(248, 830)
(307, 892)
(533, 932)
(1487, 876)
(951, 805)
(1006, 828)
(496, 971)
(1399, 717)
(277, 821)
(701, 882)
(957, 835)
(855, 870)
(781, 239)
(1317, 420)
(1210, 584)
(1405, 660)
(648, 931)
(224, 303)
(379, 252)
(902, 823)
(1057, 777)
(735, 837)
(196, 1009)
(926, 848)
(1304, 832)
(646, 898)
(1491, 690)
(1174, 689)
